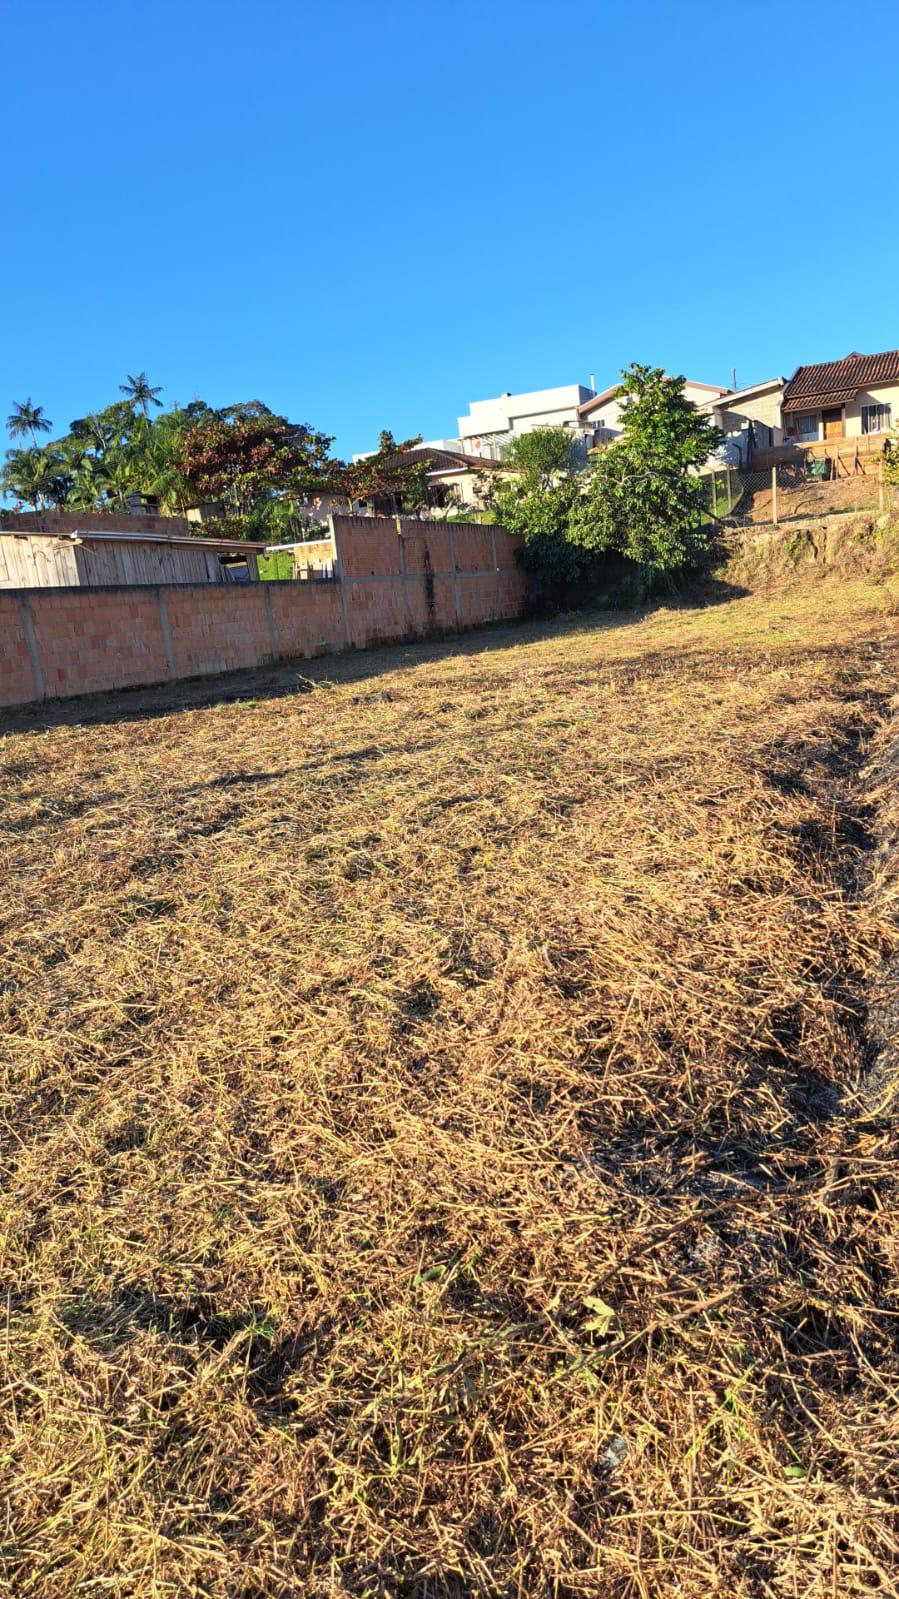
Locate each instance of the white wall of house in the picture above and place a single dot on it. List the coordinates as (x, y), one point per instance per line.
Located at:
(852, 416)
(491, 423)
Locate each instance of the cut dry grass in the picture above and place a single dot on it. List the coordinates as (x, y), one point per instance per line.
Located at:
(438, 1157)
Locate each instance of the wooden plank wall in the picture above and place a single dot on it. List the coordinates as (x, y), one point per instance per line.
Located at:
(29, 563)
(112, 562)
(41, 562)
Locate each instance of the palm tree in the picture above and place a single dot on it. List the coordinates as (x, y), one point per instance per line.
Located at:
(27, 418)
(140, 393)
(34, 476)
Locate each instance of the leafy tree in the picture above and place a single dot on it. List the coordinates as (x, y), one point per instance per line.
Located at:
(247, 457)
(657, 415)
(257, 464)
(139, 392)
(642, 500)
(35, 476)
(542, 456)
(536, 499)
(27, 418)
(386, 479)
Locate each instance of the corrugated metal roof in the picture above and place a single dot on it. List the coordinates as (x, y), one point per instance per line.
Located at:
(832, 383)
(92, 535)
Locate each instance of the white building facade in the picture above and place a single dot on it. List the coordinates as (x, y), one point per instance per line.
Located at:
(491, 424)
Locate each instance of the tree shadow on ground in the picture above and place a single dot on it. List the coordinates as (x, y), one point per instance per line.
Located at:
(286, 678)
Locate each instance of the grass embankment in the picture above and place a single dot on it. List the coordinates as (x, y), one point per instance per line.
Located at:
(435, 1160)
(277, 567)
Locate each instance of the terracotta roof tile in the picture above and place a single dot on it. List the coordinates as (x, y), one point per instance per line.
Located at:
(833, 383)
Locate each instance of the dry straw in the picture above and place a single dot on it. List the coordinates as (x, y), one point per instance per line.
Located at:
(440, 1145)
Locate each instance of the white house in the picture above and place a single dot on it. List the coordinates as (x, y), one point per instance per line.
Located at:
(490, 424)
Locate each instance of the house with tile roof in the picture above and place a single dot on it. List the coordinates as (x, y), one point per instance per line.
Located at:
(857, 397)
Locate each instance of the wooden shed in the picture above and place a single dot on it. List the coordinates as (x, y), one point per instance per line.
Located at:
(56, 556)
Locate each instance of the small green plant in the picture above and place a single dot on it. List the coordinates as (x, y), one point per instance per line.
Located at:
(800, 545)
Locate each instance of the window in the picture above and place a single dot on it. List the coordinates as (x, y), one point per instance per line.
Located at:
(875, 418)
(807, 426)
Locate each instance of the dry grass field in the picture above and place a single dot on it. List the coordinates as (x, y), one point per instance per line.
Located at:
(443, 1154)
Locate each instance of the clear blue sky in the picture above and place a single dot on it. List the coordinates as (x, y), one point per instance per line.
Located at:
(367, 214)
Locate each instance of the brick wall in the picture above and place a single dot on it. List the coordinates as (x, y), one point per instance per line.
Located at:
(16, 676)
(62, 522)
(396, 581)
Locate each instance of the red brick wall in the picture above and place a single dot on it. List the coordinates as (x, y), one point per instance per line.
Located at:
(93, 639)
(16, 680)
(218, 629)
(312, 627)
(96, 521)
(89, 640)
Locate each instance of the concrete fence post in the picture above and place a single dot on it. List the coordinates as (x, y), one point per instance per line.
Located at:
(34, 659)
(495, 559)
(404, 579)
(774, 495)
(338, 557)
(166, 630)
(457, 598)
(270, 620)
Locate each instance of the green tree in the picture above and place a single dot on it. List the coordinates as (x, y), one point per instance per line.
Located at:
(643, 499)
(37, 477)
(536, 498)
(542, 457)
(657, 415)
(139, 392)
(243, 455)
(27, 418)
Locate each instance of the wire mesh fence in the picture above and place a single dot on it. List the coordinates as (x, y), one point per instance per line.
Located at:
(795, 490)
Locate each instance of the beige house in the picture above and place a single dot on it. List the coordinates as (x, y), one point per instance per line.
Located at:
(600, 417)
(857, 397)
(454, 480)
(750, 420)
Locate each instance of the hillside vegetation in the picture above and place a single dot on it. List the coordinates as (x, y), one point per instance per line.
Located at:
(445, 1151)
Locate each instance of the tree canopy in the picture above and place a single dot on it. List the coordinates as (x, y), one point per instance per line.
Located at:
(385, 478)
(27, 418)
(246, 458)
(640, 497)
(643, 498)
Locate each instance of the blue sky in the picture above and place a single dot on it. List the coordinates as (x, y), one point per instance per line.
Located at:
(367, 215)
